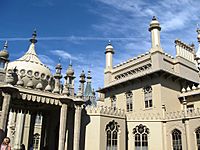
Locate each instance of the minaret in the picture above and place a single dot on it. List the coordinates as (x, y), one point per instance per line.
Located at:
(4, 56)
(57, 78)
(70, 79)
(3, 62)
(82, 81)
(109, 63)
(155, 28)
(197, 58)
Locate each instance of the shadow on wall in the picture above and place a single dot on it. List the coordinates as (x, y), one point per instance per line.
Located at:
(84, 122)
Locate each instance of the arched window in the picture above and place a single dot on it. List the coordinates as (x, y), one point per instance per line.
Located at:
(129, 101)
(148, 97)
(112, 129)
(36, 140)
(198, 138)
(176, 139)
(141, 137)
(113, 102)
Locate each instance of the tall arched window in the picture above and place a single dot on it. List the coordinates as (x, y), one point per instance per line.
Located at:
(176, 139)
(148, 97)
(129, 101)
(113, 102)
(36, 140)
(112, 129)
(141, 137)
(197, 132)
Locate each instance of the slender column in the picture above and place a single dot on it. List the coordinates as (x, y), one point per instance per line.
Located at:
(188, 143)
(62, 130)
(19, 130)
(11, 127)
(27, 126)
(66, 140)
(77, 124)
(5, 110)
(164, 127)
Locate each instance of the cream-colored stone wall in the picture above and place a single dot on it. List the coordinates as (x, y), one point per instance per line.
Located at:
(155, 136)
(95, 130)
(177, 124)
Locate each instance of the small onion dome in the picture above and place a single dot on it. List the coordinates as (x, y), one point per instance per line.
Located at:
(58, 66)
(154, 24)
(70, 70)
(39, 86)
(30, 84)
(20, 83)
(82, 74)
(4, 53)
(109, 48)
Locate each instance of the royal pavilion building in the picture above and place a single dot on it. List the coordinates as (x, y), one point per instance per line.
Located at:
(149, 102)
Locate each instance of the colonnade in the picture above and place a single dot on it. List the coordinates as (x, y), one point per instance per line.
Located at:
(18, 119)
(63, 136)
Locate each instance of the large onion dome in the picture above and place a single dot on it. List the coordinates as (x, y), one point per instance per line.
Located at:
(29, 67)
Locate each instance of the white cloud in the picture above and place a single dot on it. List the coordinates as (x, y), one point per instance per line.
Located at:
(63, 54)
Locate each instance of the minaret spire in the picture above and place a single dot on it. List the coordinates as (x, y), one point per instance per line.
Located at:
(155, 29)
(34, 35)
(5, 45)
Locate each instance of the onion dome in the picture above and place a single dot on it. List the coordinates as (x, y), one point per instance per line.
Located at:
(4, 53)
(70, 70)
(82, 77)
(30, 66)
(154, 24)
(39, 86)
(109, 48)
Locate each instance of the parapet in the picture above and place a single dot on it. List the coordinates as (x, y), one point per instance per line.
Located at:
(105, 111)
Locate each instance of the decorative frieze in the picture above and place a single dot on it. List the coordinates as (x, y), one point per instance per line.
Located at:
(133, 71)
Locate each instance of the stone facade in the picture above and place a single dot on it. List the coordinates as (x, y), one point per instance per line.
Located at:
(150, 102)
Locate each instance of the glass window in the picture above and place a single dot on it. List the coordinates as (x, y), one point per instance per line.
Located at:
(148, 97)
(129, 101)
(198, 138)
(176, 139)
(141, 137)
(112, 135)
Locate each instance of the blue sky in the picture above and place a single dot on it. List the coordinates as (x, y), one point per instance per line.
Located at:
(80, 29)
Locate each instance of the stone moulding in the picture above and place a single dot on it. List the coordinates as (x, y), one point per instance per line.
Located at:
(105, 111)
(40, 99)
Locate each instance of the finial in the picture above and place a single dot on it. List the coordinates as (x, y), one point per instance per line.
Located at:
(154, 18)
(5, 45)
(109, 42)
(33, 39)
(70, 62)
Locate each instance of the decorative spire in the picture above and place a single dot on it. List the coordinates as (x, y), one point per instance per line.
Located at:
(88, 89)
(4, 53)
(31, 55)
(198, 33)
(109, 48)
(33, 39)
(57, 78)
(82, 81)
(5, 45)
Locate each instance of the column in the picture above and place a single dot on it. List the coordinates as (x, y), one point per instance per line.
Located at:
(62, 128)
(187, 129)
(27, 125)
(11, 126)
(19, 130)
(5, 110)
(164, 127)
(77, 124)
